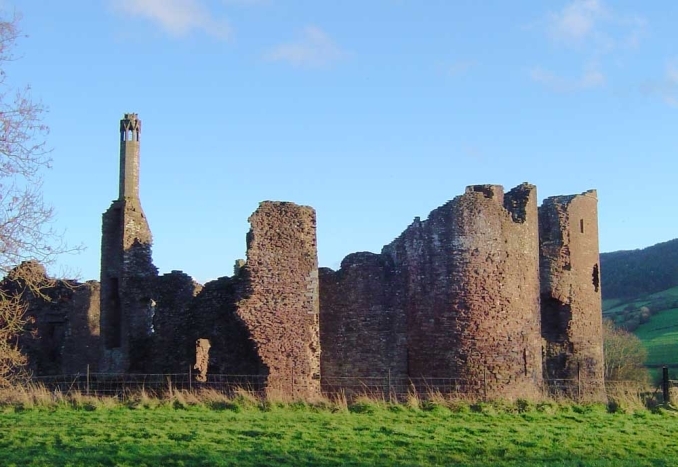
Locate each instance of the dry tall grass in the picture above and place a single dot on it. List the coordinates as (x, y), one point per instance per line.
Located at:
(622, 397)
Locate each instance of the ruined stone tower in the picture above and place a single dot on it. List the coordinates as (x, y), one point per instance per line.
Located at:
(471, 286)
(570, 292)
(452, 302)
(127, 269)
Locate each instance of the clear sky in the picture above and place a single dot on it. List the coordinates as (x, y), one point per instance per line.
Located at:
(371, 111)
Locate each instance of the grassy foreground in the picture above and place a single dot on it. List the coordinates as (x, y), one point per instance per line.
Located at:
(246, 433)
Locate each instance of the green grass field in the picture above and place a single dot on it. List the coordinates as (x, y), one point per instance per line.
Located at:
(660, 334)
(367, 434)
(660, 337)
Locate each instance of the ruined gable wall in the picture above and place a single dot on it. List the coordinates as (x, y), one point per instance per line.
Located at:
(281, 289)
(570, 290)
(472, 291)
(363, 325)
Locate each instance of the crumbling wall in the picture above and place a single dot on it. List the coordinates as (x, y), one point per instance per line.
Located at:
(363, 325)
(280, 301)
(127, 271)
(471, 280)
(202, 357)
(127, 279)
(172, 343)
(62, 333)
(571, 303)
(82, 345)
(453, 301)
(214, 314)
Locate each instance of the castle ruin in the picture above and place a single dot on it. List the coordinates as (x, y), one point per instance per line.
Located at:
(491, 295)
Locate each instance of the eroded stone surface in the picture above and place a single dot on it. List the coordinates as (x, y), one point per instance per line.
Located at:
(456, 294)
(453, 302)
(127, 270)
(570, 291)
(280, 304)
(62, 336)
(202, 357)
(363, 324)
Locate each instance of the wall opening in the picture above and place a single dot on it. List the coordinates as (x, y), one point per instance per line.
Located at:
(581, 225)
(555, 319)
(114, 331)
(596, 277)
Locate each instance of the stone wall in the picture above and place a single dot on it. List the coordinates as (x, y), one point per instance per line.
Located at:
(173, 329)
(214, 312)
(570, 291)
(62, 335)
(363, 324)
(280, 304)
(128, 276)
(454, 300)
(455, 297)
(472, 291)
(82, 344)
(127, 279)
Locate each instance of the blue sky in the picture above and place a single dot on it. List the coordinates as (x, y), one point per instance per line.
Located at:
(373, 112)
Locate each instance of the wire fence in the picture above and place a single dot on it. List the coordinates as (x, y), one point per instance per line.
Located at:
(116, 384)
(386, 388)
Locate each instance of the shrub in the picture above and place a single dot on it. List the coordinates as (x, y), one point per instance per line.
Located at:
(625, 355)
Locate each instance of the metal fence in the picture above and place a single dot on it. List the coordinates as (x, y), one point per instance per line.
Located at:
(388, 388)
(108, 384)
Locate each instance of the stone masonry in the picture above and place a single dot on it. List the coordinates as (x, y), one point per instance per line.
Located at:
(62, 335)
(280, 304)
(127, 270)
(570, 291)
(472, 295)
(263, 321)
(363, 324)
(459, 298)
(488, 296)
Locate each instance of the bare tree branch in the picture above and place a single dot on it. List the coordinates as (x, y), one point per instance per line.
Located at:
(27, 237)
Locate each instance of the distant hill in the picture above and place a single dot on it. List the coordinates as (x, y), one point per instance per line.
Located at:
(632, 273)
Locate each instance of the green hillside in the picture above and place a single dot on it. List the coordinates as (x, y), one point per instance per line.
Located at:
(630, 274)
(660, 337)
(654, 319)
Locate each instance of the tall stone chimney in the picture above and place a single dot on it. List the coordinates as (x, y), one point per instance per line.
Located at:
(127, 270)
(130, 134)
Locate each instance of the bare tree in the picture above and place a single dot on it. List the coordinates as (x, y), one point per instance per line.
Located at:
(26, 231)
(625, 355)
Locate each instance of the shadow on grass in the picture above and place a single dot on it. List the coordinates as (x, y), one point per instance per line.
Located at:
(129, 455)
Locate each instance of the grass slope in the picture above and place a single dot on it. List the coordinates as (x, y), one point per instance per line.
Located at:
(371, 434)
(660, 337)
(613, 306)
(660, 334)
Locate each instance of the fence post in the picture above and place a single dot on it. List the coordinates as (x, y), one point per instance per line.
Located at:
(389, 385)
(190, 378)
(485, 383)
(87, 379)
(578, 381)
(665, 385)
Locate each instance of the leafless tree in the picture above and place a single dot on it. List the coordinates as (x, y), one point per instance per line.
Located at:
(26, 231)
